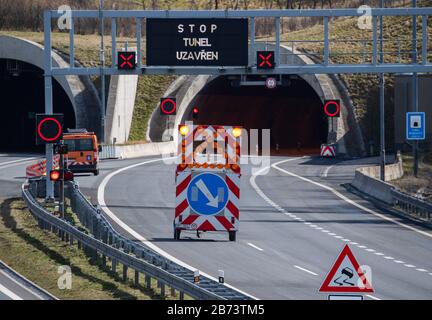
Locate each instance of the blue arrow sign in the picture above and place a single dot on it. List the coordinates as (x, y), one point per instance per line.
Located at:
(415, 126)
(207, 194)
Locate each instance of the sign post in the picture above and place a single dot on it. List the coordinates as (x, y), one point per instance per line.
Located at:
(346, 277)
(415, 131)
(49, 130)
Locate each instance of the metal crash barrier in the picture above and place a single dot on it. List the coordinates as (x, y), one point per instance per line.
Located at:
(101, 240)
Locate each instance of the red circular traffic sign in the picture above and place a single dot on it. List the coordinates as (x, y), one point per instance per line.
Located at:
(329, 112)
(56, 136)
(171, 107)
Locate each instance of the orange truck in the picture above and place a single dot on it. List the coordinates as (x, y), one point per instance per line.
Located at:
(83, 151)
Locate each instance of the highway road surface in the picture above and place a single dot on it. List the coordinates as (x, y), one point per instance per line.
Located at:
(294, 221)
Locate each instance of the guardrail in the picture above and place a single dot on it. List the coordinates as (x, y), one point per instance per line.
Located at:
(412, 205)
(26, 283)
(105, 241)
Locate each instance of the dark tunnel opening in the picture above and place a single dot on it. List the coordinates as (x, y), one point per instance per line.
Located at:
(293, 112)
(22, 87)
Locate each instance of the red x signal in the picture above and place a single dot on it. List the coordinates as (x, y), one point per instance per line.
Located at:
(126, 60)
(265, 60)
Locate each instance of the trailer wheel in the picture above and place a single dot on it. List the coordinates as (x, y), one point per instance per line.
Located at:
(177, 234)
(96, 172)
(232, 236)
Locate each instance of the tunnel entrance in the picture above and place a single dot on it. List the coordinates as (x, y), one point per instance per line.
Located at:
(22, 85)
(293, 112)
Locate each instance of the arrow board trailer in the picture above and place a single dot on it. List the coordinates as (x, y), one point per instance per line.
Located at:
(208, 179)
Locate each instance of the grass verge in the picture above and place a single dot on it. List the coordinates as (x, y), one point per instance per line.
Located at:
(37, 254)
(421, 186)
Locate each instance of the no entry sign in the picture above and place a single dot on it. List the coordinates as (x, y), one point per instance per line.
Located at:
(49, 128)
(168, 106)
(332, 108)
(197, 42)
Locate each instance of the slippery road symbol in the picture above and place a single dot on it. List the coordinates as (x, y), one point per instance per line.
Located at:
(347, 273)
(207, 193)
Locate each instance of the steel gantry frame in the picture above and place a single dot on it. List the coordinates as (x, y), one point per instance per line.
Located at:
(377, 66)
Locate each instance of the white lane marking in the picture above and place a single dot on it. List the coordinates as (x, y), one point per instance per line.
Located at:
(268, 200)
(389, 258)
(398, 261)
(21, 285)
(372, 297)
(326, 171)
(353, 243)
(352, 202)
(9, 293)
(421, 270)
(409, 265)
(16, 161)
(306, 270)
(379, 253)
(133, 233)
(255, 247)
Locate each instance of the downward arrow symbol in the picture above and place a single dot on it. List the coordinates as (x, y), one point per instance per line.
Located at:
(213, 201)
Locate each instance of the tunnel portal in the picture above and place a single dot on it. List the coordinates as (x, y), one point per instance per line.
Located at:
(293, 112)
(22, 87)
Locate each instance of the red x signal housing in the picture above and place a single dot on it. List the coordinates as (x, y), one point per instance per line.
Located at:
(265, 60)
(49, 128)
(126, 60)
(332, 108)
(168, 106)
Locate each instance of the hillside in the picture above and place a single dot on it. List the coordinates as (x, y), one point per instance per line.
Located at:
(362, 88)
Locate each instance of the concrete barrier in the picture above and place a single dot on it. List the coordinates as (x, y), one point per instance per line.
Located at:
(367, 180)
(137, 150)
(373, 187)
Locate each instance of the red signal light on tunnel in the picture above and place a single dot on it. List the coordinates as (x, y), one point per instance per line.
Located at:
(126, 60)
(265, 60)
(49, 128)
(168, 106)
(332, 108)
(195, 113)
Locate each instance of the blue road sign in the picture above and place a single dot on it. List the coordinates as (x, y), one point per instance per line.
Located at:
(415, 126)
(207, 194)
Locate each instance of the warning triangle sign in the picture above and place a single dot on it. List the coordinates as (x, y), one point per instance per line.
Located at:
(346, 275)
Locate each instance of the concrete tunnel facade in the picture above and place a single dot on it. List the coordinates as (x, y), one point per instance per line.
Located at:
(79, 92)
(194, 91)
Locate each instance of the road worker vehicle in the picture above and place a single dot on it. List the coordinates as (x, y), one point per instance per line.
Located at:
(208, 179)
(83, 151)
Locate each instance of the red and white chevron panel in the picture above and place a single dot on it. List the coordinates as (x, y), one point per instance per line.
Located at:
(226, 220)
(78, 163)
(214, 134)
(328, 151)
(39, 169)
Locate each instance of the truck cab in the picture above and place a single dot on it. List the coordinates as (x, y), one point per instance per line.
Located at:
(83, 151)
